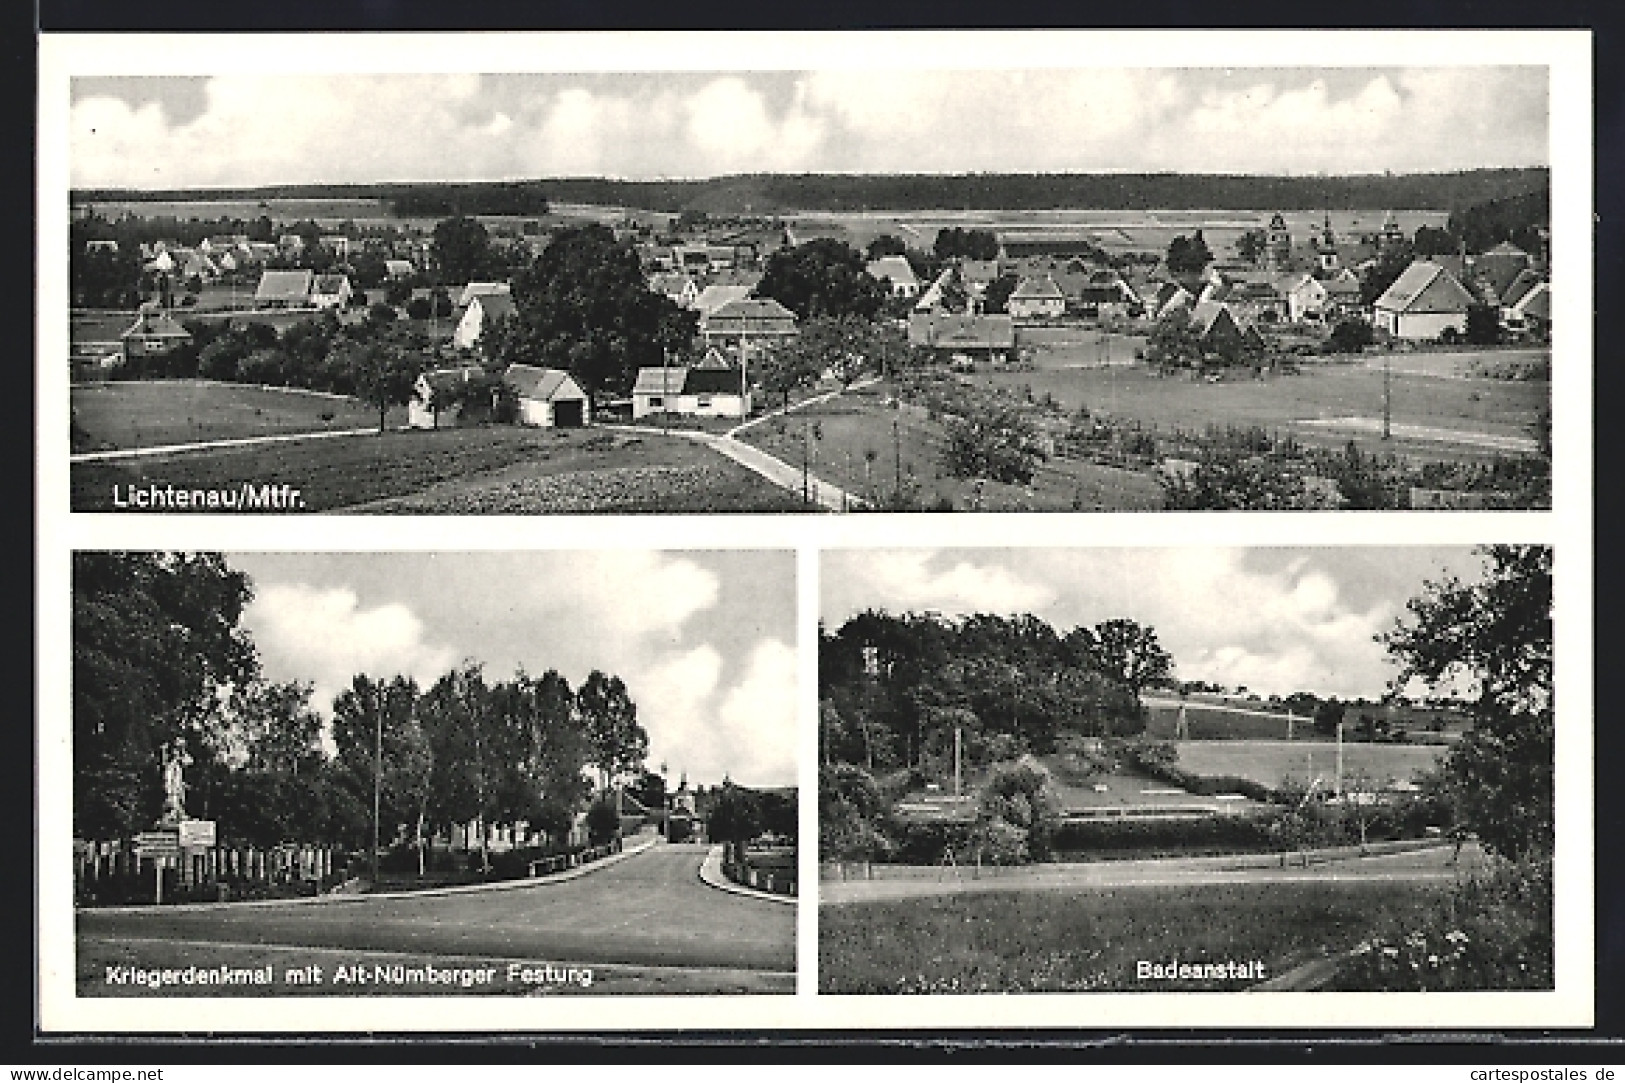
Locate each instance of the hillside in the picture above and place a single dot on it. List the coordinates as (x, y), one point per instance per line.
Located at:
(785, 193)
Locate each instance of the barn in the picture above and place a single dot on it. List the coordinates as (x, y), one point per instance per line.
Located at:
(548, 398)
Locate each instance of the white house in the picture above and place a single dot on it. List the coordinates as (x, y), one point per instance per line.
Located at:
(330, 291)
(154, 333)
(284, 289)
(1423, 303)
(399, 268)
(428, 408)
(548, 398)
(761, 321)
(709, 389)
(483, 311)
(896, 271)
(716, 295)
(1037, 297)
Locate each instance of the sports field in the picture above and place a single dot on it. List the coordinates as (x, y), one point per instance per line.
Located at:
(1270, 763)
(145, 413)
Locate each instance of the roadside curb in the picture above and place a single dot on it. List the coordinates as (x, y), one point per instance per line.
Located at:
(331, 899)
(712, 876)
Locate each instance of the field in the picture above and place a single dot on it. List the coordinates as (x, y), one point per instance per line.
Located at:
(860, 422)
(1079, 941)
(153, 414)
(1425, 392)
(1270, 763)
(495, 470)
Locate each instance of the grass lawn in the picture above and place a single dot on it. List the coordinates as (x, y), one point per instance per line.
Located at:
(1270, 762)
(150, 414)
(1076, 941)
(859, 422)
(288, 964)
(1322, 390)
(500, 469)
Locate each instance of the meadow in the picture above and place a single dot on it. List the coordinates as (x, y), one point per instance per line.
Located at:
(139, 414)
(1092, 941)
(1300, 403)
(1270, 763)
(500, 469)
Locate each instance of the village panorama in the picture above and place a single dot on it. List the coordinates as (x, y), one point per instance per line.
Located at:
(846, 343)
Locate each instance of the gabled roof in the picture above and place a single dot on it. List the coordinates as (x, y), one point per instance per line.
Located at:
(155, 323)
(714, 297)
(480, 289)
(495, 306)
(756, 310)
(1037, 288)
(895, 268)
(539, 383)
(709, 381)
(713, 359)
(1205, 315)
(284, 286)
(1425, 286)
(1526, 281)
(667, 380)
(1507, 248)
(1537, 302)
(979, 271)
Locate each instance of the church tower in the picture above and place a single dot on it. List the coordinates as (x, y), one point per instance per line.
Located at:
(1278, 245)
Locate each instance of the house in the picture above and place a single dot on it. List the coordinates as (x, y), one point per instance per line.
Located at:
(154, 333)
(757, 320)
(896, 271)
(481, 313)
(1037, 297)
(1306, 300)
(715, 296)
(1425, 302)
(709, 389)
(330, 291)
(679, 288)
(101, 246)
(978, 274)
(481, 289)
(399, 268)
(429, 407)
(1219, 330)
(1532, 312)
(284, 289)
(962, 334)
(336, 243)
(1498, 268)
(548, 398)
(1166, 298)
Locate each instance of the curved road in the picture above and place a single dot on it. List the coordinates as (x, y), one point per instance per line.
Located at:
(649, 909)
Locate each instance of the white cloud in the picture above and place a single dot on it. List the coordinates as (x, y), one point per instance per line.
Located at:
(628, 593)
(905, 580)
(326, 637)
(756, 723)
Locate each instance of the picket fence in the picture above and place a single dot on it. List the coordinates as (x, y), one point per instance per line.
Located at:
(119, 871)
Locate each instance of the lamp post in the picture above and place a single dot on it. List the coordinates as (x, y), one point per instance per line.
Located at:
(377, 783)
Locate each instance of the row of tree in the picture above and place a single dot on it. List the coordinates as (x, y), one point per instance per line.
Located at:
(160, 661)
(895, 689)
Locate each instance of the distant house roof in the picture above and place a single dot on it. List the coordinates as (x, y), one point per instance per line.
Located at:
(480, 289)
(711, 381)
(284, 286)
(1507, 248)
(895, 268)
(399, 268)
(1208, 314)
(952, 330)
(670, 283)
(1526, 281)
(666, 380)
(1537, 302)
(330, 285)
(496, 306)
(1425, 286)
(1037, 288)
(715, 296)
(447, 379)
(541, 384)
(755, 314)
(979, 272)
(152, 322)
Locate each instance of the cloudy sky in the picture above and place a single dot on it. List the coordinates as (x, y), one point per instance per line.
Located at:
(252, 129)
(705, 641)
(1275, 620)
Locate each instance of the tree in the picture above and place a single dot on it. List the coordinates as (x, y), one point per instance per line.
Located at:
(957, 243)
(885, 245)
(824, 277)
(996, 298)
(462, 248)
(542, 748)
(997, 442)
(1382, 274)
(1188, 255)
(156, 646)
(382, 372)
(1483, 325)
(1129, 653)
(1350, 336)
(1250, 246)
(459, 721)
(734, 819)
(617, 744)
(1494, 636)
(380, 748)
(1019, 795)
(1432, 241)
(1174, 343)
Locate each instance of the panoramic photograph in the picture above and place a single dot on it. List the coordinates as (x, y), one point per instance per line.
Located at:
(818, 290)
(1183, 770)
(413, 774)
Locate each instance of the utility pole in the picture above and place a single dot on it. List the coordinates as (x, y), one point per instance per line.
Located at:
(897, 452)
(1387, 394)
(377, 782)
(806, 464)
(958, 772)
(1339, 759)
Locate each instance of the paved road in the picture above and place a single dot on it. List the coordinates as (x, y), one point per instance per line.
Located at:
(650, 909)
(1414, 866)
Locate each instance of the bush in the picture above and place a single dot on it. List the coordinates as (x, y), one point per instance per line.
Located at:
(603, 822)
(1247, 833)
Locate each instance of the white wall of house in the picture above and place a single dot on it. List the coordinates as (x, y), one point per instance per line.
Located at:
(542, 413)
(1419, 326)
(1026, 308)
(691, 405)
